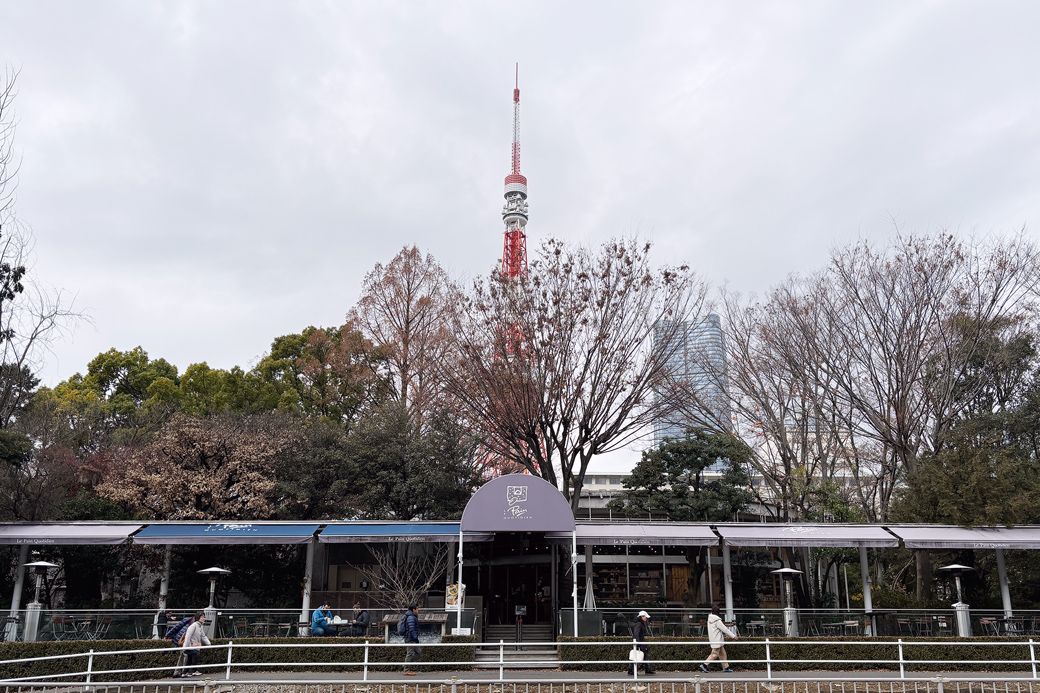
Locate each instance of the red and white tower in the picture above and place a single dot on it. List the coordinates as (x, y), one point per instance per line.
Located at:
(514, 213)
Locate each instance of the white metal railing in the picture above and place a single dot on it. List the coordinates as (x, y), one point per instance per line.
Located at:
(86, 667)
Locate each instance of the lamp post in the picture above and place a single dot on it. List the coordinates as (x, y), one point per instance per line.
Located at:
(790, 613)
(32, 611)
(961, 610)
(214, 574)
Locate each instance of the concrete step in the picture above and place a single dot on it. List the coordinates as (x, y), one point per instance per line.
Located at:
(517, 659)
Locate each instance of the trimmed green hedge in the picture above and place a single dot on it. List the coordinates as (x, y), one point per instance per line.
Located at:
(838, 654)
(242, 660)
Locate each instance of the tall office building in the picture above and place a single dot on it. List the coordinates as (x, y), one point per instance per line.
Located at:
(698, 362)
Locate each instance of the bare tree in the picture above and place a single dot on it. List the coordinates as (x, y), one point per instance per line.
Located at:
(404, 309)
(561, 365)
(404, 573)
(30, 315)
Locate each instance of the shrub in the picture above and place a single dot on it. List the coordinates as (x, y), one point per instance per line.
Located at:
(838, 657)
(244, 658)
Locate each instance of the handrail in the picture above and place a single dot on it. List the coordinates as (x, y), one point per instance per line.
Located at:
(92, 672)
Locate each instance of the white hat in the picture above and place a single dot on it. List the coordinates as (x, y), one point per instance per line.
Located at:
(642, 614)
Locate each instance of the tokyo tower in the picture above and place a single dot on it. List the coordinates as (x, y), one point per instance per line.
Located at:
(514, 213)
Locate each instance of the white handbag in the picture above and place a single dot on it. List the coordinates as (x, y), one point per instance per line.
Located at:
(635, 655)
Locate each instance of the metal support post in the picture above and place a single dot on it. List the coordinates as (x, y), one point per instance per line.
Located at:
(501, 659)
(458, 585)
(164, 591)
(769, 663)
(90, 667)
(727, 578)
(1032, 657)
(16, 595)
(868, 601)
(574, 578)
(308, 583)
(364, 670)
(227, 671)
(1005, 592)
(902, 667)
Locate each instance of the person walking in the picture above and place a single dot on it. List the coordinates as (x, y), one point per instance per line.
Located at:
(411, 638)
(640, 632)
(717, 634)
(194, 638)
(175, 635)
(359, 624)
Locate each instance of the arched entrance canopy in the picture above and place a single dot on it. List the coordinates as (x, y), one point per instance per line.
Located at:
(517, 503)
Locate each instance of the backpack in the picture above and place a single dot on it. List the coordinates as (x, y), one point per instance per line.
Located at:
(402, 625)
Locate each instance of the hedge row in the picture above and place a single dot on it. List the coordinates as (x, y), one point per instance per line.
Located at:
(244, 659)
(837, 657)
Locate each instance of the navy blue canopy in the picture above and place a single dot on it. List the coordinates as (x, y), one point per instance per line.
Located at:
(341, 532)
(226, 533)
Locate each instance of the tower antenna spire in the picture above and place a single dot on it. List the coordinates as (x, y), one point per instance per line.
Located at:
(514, 213)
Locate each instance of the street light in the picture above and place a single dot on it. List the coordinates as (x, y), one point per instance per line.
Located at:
(960, 609)
(790, 614)
(32, 612)
(214, 574)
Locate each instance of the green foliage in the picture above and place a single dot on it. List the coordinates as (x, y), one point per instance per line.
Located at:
(244, 658)
(835, 657)
(671, 480)
(332, 372)
(409, 473)
(15, 447)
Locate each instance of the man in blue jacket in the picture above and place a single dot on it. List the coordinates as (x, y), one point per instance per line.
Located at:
(321, 621)
(411, 638)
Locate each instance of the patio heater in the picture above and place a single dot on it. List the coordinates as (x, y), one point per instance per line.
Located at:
(790, 613)
(213, 573)
(961, 611)
(33, 609)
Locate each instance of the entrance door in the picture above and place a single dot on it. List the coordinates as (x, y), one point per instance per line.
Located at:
(519, 580)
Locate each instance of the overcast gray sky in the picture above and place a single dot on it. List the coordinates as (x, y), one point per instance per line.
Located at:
(206, 176)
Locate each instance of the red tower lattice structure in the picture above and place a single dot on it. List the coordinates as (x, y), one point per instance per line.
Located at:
(514, 213)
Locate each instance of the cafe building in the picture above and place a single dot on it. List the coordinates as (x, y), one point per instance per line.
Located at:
(526, 565)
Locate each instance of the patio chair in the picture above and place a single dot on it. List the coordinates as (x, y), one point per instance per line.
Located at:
(942, 624)
(101, 630)
(240, 627)
(58, 631)
(904, 626)
(850, 627)
(990, 625)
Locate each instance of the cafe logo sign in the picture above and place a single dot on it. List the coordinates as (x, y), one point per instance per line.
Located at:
(230, 527)
(516, 500)
(801, 529)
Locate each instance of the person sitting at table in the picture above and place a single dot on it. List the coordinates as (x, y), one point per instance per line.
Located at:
(321, 621)
(359, 626)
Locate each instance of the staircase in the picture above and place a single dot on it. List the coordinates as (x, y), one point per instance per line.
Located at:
(517, 655)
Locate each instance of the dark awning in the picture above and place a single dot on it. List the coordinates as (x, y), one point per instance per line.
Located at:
(778, 535)
(61, 533)
(517, 503)
(925, 537)
(343, 532)
(638, 534)
(226, 533)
